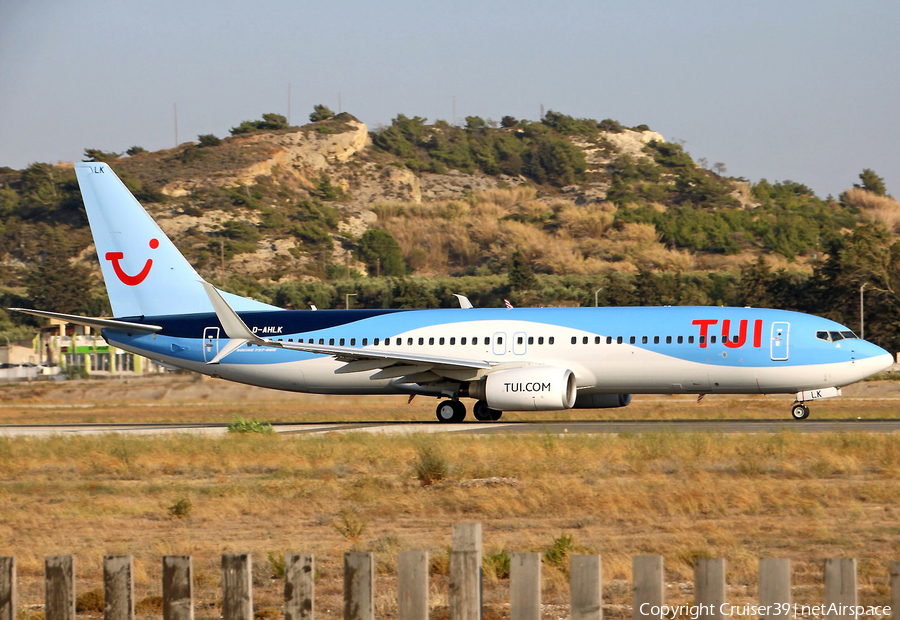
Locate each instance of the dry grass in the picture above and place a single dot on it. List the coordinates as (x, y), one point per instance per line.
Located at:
(806, 497)
(742, 497)
(882, 209)
(559, 238)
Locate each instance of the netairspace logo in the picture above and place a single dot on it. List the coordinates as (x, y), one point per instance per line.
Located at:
(694, 612)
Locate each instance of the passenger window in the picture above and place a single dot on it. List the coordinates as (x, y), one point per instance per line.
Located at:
(530, 339)
(365, 341)
(519, 340)
(474, 339)
(353, 342)
(487, 341)
(462, 340)
(574, 339)
(632, 340)
(668, 339)
(453, 340)
(596, 339)
(644, 339)
(441, 341)
(712, 340)
(431, 341)
(702, 339)
(421, 341)
(680, 339)
(321, 341)
(500, 340)
(550, 340)
(409, 342)
(619, 340)
(540, 340)
(341, 342)
(655, 339)
(387, 342)
(375, 342)
(609, 340)
(584, 340)
(690, 339)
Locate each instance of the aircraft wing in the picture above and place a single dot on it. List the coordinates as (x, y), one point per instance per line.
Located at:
(93, 321)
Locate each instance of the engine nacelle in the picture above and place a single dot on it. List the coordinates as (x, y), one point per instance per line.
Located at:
(602, 401)
(533, 388)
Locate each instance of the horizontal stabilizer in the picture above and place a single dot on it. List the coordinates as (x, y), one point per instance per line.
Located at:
(93, 321)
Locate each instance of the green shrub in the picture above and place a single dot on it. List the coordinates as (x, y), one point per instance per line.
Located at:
(498, 564)
(558, 552)
(208, 139)
(241, 425)
(431, 465)
(181, 509)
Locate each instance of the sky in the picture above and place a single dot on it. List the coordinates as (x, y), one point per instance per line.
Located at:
(801, 90)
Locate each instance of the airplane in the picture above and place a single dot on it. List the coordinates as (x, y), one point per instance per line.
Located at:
(506, 359)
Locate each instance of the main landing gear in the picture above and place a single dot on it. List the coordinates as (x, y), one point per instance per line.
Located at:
(799, 411)
(451, 411)
(455, 411)
(484, 413)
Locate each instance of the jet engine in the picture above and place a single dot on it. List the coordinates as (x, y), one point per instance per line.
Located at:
(533, 388)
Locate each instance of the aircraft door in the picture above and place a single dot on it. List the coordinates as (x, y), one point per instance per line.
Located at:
(499, 343)
(520, 343)
(210, 343)
(780, 340)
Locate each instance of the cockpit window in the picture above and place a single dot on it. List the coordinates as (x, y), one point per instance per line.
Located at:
(835, 336)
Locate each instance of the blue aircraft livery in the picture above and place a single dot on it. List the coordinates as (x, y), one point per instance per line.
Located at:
(506, 359)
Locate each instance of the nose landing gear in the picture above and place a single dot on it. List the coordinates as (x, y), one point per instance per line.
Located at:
(799, 411)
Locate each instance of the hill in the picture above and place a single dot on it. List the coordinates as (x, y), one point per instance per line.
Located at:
(542, 212)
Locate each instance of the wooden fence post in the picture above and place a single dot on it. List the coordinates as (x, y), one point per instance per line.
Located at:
(465, 572)
(59, 588)
(8, 604)
(585, 587)
(709, 587)
(525, 586)
(840, 584)
(118, 587)
(775, 586)
(359, 586)
(237, 587)
(412, 582)
(178, 587)
(299, 586)
(648, 586)
(895, 590)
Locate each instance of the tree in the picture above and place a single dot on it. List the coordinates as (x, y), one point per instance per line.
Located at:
(208, 139)
(719, 168)
(135, 150)
(98, 155)
(381, 253)
(508, 121)
(520, 274)
(871, 182)
(56, 284)
(269, 122)
(320, 113)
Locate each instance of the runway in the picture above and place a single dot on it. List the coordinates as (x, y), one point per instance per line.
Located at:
(475, 428)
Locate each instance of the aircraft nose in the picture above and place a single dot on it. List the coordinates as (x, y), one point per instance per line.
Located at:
(877, 358)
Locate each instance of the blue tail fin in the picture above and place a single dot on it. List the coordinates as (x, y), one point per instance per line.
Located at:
(144, 272)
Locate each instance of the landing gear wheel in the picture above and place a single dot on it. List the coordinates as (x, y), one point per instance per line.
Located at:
(800, 411)
(451, 411)
(484, 413)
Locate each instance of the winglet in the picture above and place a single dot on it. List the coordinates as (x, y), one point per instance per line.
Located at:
(463, 301)
(234, 326)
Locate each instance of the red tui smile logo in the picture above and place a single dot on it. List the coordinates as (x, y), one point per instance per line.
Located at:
(115, 257)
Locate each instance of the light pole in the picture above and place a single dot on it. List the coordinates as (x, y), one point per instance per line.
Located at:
(347, 299)
(596, 298)
(862, 316)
